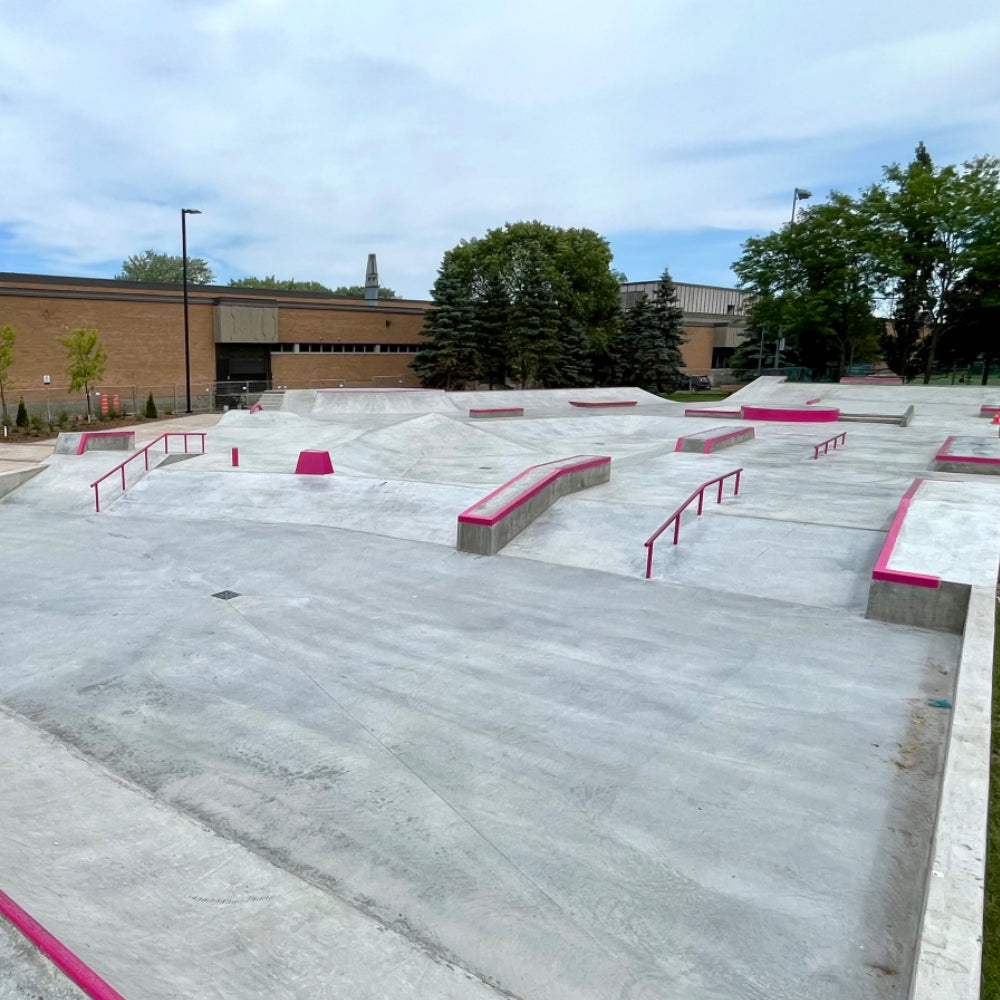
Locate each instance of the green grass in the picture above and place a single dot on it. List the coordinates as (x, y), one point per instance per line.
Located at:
(991, 920)
(696, 397)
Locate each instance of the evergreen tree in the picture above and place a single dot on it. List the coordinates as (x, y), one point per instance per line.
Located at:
(575, 365)
(150, 410)
(21, 420)
(662, 352)
(533, 339)
(492, 324)
(449, 357)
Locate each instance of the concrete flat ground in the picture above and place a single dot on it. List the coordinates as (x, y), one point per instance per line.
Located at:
(388, 769)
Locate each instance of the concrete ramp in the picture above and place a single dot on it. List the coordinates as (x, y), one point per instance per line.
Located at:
(336, 402)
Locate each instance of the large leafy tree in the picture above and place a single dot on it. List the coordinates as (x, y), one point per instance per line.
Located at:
(152, 266)
(7, 340)
(85, 359)
(544, 304)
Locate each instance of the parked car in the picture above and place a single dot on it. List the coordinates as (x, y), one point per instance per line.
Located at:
(699, 383)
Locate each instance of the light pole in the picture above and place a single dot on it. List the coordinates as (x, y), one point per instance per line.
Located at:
(185, 212)
(799, 194)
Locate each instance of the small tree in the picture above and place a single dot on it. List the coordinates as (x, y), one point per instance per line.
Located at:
(22, 414)
(86, 360)
(7, 341)
(150, 410)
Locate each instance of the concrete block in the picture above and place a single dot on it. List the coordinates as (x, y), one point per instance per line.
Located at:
(714, 439)
(487, 526)
(314, 463)
(9, 481)
(77, 442)
(943, 607)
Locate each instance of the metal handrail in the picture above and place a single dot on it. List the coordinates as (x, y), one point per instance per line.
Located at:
(675, 518)
(825, 445)
(144, 451)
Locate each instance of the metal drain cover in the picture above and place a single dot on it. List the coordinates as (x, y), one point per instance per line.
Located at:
(226, 595)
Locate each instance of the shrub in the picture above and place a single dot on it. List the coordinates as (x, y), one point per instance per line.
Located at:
(63, 417)
(150, 410)
(22, 414)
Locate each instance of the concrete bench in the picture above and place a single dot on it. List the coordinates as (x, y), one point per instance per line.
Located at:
(498, 411)
(488, 525)
(714, 439)
(77, 442)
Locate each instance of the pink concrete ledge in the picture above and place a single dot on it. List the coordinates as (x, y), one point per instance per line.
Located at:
(87, 436)
(871, 380)
(608, 402)
(314, 463)
(469, 516)
(791, 414)
(498, 411)
(718, 440)
(945, 455)
(56, 952)
(988, 411)
(881, 570)
(813, 402)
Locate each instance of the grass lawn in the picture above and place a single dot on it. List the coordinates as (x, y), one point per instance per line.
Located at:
(991, 922)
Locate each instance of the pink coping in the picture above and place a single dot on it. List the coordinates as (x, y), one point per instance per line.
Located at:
(256, 408)
(742, 432)
(989, 409)
(944, 455)
(498, 409)
(870, 380)
(87, 435)
(812, 402)
(881, 570)
(314, 463)
(815, 414)
(609, 402)
(57, 953)
(468, 517)
(697, 411)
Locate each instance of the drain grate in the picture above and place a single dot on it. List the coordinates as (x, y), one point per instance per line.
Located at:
(226, 595)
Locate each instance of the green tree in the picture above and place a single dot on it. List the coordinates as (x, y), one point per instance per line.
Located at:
(85, 360)
(358, 292)
(534, 345)
(7, 340)
(152, 266)
(663, 359)
(448, 357)
(150, 411)
(21, 420)
(270, 281)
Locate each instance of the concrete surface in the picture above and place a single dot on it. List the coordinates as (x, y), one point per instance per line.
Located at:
(538, 776)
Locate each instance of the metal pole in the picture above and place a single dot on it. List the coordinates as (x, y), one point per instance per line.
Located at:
(187, 344)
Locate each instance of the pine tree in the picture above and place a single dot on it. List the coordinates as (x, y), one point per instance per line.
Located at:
(150, 410)
(492, 325)
(534, 332)
(21, 420)
(636, 332)
(662, 358)
(449, 357)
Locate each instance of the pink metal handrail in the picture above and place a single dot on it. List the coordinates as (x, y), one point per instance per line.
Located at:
(675, 518)
(54, 950)
(144, 451)
(825, 445)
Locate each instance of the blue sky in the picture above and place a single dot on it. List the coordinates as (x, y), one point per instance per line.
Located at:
(310, 133)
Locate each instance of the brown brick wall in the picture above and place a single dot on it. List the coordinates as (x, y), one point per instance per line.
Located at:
(365, 326)
(697, 352)
(313, 371)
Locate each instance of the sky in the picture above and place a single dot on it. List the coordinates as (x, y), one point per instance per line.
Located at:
(310, 133)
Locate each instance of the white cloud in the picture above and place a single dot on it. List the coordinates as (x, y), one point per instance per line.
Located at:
(310, 133)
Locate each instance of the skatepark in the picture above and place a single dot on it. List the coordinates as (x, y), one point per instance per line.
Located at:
(277, 735)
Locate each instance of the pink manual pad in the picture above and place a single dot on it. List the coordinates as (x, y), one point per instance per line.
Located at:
(790, 414)
(314, 463)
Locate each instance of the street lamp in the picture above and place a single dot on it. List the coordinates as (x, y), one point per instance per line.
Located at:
(184, 268)
(800, 194)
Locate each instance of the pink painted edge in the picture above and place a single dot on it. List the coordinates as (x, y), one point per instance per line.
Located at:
(87, 435)
(610, 402)
(881, 570)
(467, 517)
(812, 402)
(816, 415)
(256, 408)
(499, 409)
(989, 409)
(57, 953)
(944, 455)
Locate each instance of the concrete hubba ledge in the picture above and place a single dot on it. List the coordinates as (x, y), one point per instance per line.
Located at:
(902, 419)
(9, 481)
(978, 456)
(488, 525)
(77, 442)
(314, 463)
(498, 411)
(792, 414)
(714, 439)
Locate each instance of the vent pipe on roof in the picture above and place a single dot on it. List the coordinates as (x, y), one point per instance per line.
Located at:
(371, 282)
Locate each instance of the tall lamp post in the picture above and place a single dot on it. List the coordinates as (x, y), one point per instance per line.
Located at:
(185, 212)
(799, 194)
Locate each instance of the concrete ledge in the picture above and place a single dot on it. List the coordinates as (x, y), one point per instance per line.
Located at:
(943, 608)
(77, 442)
(714, 439)
(988, 410)
(901, 419)
(947, 965)
(709, 411)
(9, 481)
(498, 411)
(792, 414)
(871, 380)
(964, 460)
(488, 525)
(604, 402)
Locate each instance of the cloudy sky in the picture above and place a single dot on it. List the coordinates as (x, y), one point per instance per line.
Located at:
(311, 132)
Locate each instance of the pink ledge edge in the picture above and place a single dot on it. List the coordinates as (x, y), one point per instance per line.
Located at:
(881, 570)
(87, 435)
(467, 517)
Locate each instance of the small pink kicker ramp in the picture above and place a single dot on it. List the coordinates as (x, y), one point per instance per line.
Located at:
(314, 463)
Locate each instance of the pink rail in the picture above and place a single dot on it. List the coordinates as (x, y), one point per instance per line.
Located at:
(56, 952)
(675, 518)
(144, 452)
(825, 445)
